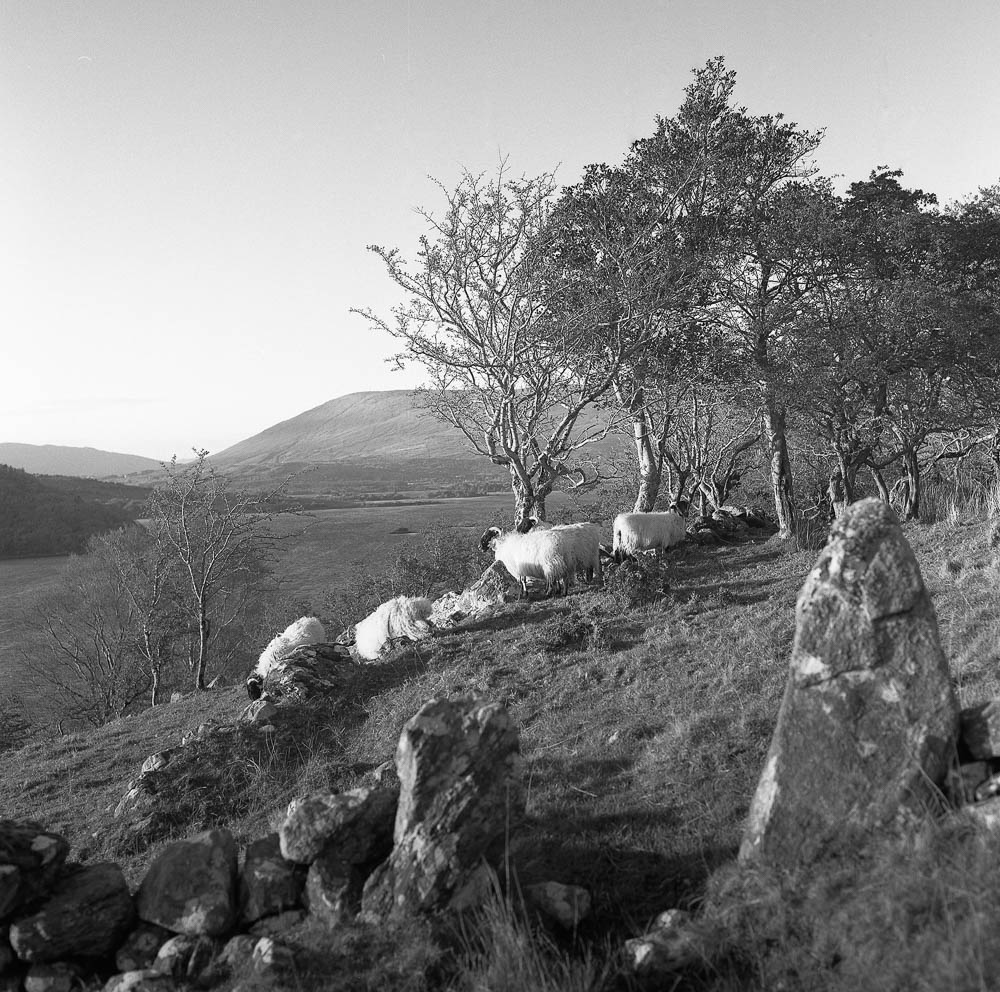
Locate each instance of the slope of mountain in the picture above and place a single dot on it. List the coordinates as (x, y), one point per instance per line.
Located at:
(56, 459)
(374, 427)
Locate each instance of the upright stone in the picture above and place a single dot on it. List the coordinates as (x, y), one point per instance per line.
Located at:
(461, 786)
(869, 718)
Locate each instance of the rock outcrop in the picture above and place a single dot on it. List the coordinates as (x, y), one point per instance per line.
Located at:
(460, 776)
(869, 719)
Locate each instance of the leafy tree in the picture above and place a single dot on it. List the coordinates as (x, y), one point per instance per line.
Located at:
(484, 319)
(753, 185)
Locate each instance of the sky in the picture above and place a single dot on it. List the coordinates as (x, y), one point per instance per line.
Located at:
(188, 187)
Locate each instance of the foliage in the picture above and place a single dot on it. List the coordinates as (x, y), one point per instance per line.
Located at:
(39, 518)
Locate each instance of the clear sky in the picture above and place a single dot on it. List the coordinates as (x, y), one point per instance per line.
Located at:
(187, 187)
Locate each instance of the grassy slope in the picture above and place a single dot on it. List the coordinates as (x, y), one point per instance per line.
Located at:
(642, 754)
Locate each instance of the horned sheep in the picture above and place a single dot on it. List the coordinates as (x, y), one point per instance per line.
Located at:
(647, 532)
(305, 630)
(404, 616)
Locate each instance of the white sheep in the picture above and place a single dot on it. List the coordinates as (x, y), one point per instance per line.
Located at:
(404, 616)
(586, 545)
(305, 630)
(553, 554)
(647, 531)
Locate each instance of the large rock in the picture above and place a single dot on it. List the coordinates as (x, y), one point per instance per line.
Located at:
(357, 825)
(980, 727)
(30, 860)
(493, 588)
(313, 670)
(268, 883)
(461, 785)
(191, 886)
(869, 718)
(87, 915)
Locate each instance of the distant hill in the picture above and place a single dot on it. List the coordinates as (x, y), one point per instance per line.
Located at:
(55, 459)
(379, 438)
(384, 427)
(57, 515)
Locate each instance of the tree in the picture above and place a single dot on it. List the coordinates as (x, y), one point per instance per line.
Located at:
(146, 577)
(500, 348)
(85, 664)
(220, 540)
(752, 185)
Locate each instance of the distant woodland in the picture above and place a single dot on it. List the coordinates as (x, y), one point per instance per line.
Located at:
(57, 515)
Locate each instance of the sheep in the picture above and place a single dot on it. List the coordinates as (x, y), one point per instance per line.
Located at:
(554, 554)
(305, 630)
(404, 616)
(647, 531)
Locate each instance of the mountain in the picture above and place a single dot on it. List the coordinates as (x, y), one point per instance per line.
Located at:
(373, 441)
(56, 459)
(377, 427)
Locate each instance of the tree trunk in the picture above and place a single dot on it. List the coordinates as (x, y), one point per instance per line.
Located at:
(153, 700)
(650, 460)
(524, 500)
(907, 490)
(781, 466)
(837, 491)
(204, 625)
(883, 489)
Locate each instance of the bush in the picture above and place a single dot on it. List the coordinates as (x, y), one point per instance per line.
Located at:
(637, 581)
(441, 560)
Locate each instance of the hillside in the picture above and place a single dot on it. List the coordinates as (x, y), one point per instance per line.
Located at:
(56, 515)
(644, 728)
(382, 437)
(55, 459)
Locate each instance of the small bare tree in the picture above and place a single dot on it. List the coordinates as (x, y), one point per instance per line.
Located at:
(219, 539)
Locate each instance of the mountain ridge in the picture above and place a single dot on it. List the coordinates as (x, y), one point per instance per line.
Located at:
(82, 462)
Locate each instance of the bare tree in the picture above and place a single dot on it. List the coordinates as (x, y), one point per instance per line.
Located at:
(220, 540)
(501, 353)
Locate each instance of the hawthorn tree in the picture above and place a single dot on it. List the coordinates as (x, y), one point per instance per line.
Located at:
(221, 545)
(485, 318)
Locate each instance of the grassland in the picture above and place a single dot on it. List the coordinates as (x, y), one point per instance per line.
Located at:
(644, 728)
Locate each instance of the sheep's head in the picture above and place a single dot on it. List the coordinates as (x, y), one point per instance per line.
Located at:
(486, 541)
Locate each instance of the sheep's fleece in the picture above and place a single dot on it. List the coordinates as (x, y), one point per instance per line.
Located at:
(404, 616)
(305, 630)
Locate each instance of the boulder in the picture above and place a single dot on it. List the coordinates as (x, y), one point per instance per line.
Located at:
(87, 915)
(357, 825)
(313, 670)
(565, 905)
(980, 726)
(185, 957)
(268, 883)
(333, 889)
(461, 786)
(30, 860)
(869, 719)
(191, 886)
(140, 947)
(493, 588)
(144, 980)
(58, 977)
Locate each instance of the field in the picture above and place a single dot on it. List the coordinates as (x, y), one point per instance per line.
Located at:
(22, 581)
(644, 727)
